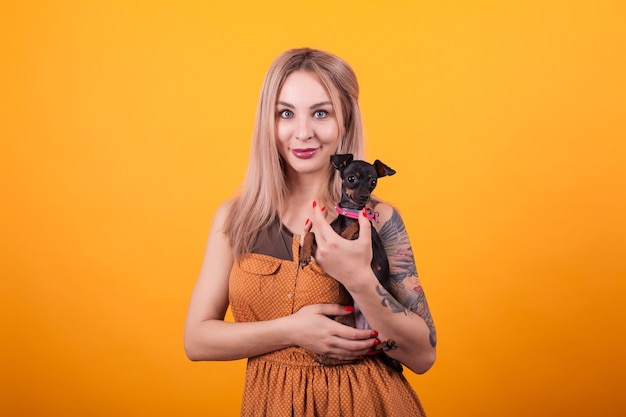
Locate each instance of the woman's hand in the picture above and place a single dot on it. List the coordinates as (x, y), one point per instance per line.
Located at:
(343, 259)
(318, 333)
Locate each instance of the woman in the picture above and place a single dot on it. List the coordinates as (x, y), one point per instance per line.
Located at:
(308, 110)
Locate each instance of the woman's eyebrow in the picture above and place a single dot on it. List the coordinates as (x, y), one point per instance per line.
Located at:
(323, 103)
(291, 106)
(284, 103)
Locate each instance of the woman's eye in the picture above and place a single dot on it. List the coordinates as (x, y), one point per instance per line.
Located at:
(286, 114)
(320, 114)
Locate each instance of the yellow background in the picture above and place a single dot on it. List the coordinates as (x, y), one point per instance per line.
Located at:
(124, 124)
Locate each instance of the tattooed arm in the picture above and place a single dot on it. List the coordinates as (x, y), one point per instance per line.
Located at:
(408, 296)
(408, 292)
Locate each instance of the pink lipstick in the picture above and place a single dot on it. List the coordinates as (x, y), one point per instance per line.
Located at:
(305, 153)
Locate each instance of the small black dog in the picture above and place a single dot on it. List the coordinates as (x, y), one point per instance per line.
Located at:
(359, 180)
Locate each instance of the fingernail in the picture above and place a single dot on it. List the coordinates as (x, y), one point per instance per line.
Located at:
(374, 333)
(360, 357)
(371, 352)
(348, 308)
(376, 342)
(314, 203)
(365, 211)
(323, 208)
(307, 222)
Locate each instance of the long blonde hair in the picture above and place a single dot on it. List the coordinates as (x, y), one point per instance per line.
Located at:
(263, 190)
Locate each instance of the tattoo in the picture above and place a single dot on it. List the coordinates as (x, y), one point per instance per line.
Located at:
(389, 301)
(388, 345)
(420, 306)
(398, 247)
(403, 272)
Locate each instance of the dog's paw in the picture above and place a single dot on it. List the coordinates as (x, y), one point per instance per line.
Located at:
(303, 258)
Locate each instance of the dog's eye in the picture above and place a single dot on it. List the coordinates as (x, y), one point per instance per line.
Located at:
(373, 183)
(351, 179)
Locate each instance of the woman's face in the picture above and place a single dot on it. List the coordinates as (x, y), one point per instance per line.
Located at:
(306, 124)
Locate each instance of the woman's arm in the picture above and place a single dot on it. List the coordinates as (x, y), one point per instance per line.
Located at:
(404, 318)
(209, 337)
(405, 282)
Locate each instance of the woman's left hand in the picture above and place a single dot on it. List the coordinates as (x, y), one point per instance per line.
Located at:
(343, 259)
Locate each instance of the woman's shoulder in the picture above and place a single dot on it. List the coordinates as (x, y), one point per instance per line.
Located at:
(222, 213)
(226, 206)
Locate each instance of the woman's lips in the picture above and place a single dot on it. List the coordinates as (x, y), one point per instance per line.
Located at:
(304, 153)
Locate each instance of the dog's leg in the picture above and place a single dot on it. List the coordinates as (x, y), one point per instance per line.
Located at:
(350, 231)
(306, 249)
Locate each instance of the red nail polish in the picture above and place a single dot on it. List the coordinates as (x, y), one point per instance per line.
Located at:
(371, 352)
(376, 342)
(323, 208)
(314, 203)
(374, 333)
(365, 211)
(307, 222)
(348, 308)
(360, 357)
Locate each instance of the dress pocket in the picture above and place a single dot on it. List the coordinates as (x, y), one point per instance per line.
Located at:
(259, 264)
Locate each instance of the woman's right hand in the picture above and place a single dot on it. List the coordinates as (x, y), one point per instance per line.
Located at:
(318, 333)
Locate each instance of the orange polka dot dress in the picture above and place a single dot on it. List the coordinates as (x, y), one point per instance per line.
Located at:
(289, 382)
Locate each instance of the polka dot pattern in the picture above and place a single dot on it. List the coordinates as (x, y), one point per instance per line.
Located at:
(289, 382)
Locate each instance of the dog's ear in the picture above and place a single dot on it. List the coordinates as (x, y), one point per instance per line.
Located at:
(383, 170)
(341, 160)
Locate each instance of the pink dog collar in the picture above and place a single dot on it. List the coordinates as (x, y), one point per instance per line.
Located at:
(354, 214)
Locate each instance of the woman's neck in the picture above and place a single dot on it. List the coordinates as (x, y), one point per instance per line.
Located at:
(298, 207)
(304, 189)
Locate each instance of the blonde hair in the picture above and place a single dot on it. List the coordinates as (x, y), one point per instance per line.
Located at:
(263, 190)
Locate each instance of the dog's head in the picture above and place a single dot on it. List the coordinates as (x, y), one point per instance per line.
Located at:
(359, 179)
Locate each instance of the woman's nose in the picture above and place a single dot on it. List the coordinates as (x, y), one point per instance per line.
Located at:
(304, 130)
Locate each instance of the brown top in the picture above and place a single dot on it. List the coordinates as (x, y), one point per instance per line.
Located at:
(276, 241)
